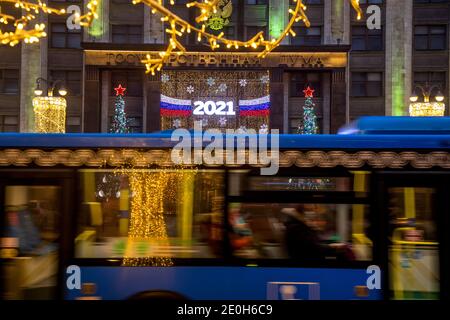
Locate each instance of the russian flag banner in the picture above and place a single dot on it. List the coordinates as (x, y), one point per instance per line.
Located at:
(171, 107)
(255, 108)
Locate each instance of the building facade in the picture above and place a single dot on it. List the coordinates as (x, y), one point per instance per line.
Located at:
(354, 71)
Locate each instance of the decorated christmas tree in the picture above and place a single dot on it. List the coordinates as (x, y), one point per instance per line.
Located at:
(309, 123)
(120, 121)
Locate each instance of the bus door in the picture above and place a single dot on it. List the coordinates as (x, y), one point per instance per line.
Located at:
(33, 205)
(416, 212)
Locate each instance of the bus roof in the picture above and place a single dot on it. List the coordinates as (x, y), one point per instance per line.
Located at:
(291, 142)
(398, 125)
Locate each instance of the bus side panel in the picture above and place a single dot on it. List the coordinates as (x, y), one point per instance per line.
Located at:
(226, 283)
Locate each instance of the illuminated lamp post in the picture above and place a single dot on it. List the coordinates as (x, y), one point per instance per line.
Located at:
(427, 108)
(50, 111)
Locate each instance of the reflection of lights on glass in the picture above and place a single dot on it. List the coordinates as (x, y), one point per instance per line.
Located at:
(118, 194)
(101, 194)
(104, 179)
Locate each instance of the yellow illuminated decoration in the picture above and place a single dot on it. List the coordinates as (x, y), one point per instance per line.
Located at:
(427, 109)
(178, 27)
(219, 19)
(151, 191)
(50, 114)
(208, 8)
(31, 10)
(355, 5)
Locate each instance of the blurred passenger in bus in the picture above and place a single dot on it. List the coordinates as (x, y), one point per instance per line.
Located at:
(302, 239)
(241, 236)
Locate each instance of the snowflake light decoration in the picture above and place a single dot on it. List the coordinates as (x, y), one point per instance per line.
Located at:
(190, 89)
(222, 121)
(204, 122)
(211, 81)
(243, 82)
(264, 129)
(165, 78)
(265, 79)
(176, 123)
(242, 130)
(223, 87)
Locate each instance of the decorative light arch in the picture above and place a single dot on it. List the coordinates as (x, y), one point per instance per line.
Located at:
(178, 27)
(31, 10)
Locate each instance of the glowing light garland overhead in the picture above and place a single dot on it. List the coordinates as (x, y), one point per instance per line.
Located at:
(359, 12)
(31, 12)
(178, 27)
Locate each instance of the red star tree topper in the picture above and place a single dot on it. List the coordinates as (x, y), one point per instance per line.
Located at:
(120, 91)
(309, 93)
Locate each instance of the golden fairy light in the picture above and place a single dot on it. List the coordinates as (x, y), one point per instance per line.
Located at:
(151, 191)
(31, 11)
(50, 114)
(427, 109)
(355, 5)
(178, 27)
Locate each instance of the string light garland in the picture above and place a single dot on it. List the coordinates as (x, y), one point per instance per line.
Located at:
(355, 5)
(32, 10)
(178, 27)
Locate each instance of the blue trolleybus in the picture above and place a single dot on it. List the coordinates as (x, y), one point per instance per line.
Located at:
(359, 215)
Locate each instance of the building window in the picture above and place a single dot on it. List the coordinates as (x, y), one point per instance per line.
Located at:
(73, 124)
(131, 80)
(72, 80)
(367, 84)
(307, 36)
(430, 37)
(9, 123)
(364, 39)
(127, 33)
(300, 81)
(252, 2)
(61, 37)
(254, 30)
(134, 123)
(9, 81)
(431, 78)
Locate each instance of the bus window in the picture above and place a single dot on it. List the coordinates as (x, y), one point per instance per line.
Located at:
(335, 184)
(414, 248)
(163, 213)
(31, 235)
(300, 232)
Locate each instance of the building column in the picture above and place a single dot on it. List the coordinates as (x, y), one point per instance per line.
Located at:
(276, 99)
(398, 77)
(337, 22)
(106, 89)
(286, 124)
(91, 102)
(339, 100)
(99, 29)
(153, 27)
(326, 104)
(33, 65)
(152, 87)
(278, 18)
